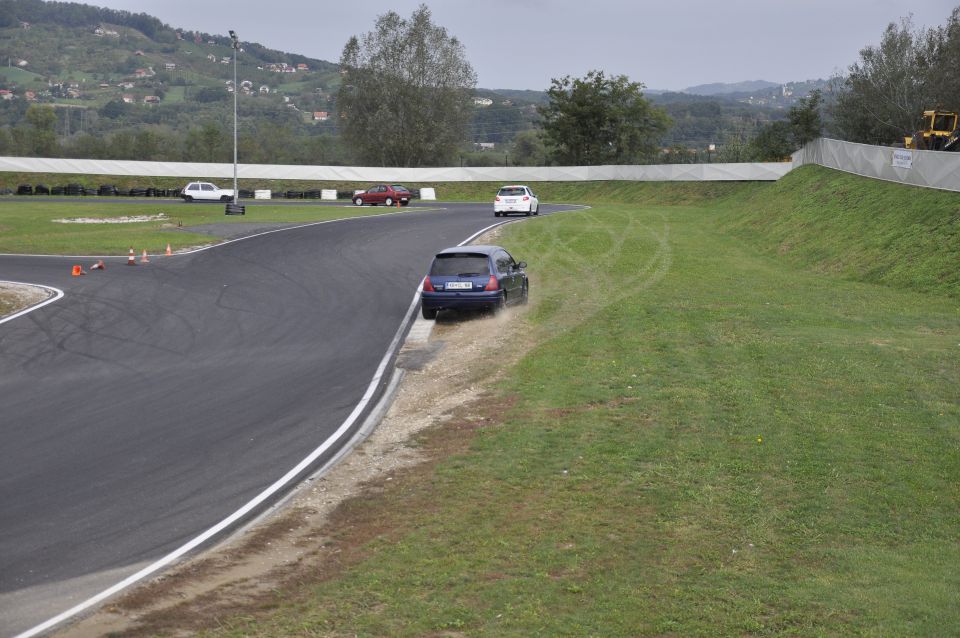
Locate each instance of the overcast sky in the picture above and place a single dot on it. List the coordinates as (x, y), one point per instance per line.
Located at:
(522, 44)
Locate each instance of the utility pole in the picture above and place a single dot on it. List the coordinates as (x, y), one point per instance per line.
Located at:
(233, 208)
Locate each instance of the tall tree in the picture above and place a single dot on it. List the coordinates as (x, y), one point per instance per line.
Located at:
(404, 99)
(772, 143)
(209, 143)
(886, 92)
(776, 140)
(600, 120)
(43, 136)
(946, 62)
(528, 149)
(805, 120)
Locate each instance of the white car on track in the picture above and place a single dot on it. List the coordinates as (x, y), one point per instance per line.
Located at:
(206, 192)
(515, 199)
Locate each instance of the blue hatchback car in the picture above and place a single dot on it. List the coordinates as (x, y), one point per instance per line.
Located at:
(473, 277)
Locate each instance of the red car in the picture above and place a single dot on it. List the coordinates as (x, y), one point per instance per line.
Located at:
(386, 194)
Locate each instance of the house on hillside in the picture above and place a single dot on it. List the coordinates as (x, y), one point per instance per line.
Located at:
(170, 66)
(302, 67)
(151, 99)
(6, 94)
(127, 98)
(140, 73)
(482, 101)
(320, 116)
(30, 96)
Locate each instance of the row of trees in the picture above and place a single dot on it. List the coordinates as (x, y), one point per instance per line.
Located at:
(607, 120)
(910, 71)
(261, 142)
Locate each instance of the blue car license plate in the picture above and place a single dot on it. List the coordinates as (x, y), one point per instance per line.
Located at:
(459, 285)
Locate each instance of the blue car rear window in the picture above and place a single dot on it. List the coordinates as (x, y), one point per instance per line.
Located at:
(460, 264)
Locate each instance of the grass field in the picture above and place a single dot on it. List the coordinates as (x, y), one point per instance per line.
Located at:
(712, 436)
(739, 416)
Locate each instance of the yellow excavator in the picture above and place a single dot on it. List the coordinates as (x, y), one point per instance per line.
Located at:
(939, 132)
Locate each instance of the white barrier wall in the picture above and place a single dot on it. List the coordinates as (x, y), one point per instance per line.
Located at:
(190, 170)
(930, 169)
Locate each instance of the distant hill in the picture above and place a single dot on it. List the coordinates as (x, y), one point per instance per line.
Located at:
(721, 88)
(68, 42)
(528, 95)
(127, 85)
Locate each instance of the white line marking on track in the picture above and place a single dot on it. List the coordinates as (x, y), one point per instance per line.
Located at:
(273, 489)
(57, 294)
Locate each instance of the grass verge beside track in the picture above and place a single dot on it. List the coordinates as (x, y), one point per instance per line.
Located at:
(28, 226)
(709, 435)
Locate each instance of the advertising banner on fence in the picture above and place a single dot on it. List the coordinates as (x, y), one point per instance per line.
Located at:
(902, 158)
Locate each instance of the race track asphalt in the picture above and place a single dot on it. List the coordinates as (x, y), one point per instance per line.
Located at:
(152, 401)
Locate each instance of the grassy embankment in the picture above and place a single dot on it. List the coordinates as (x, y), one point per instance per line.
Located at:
(741, 417)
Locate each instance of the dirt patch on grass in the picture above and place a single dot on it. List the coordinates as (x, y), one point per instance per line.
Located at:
(125, 219)
(326, 526)
(16, 297)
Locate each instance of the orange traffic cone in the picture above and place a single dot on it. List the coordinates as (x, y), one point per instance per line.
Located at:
(131, 258)
(77, 271)
(169, 252)
(143, 258)
(98, 266)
